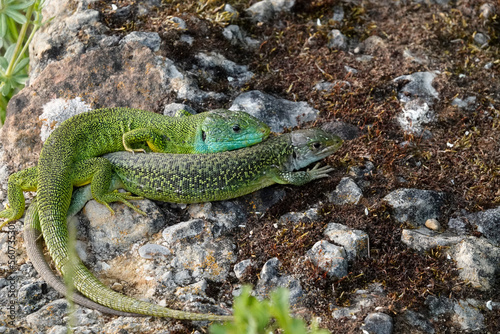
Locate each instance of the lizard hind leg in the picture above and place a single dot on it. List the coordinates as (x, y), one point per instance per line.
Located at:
(99, 173)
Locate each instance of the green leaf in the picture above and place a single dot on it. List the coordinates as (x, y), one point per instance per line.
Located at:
(3, 25)
(4, 63)
(21, 65)
(10, 52)
(15, 15)
(5, 88)
(21, 79)
(22, 5)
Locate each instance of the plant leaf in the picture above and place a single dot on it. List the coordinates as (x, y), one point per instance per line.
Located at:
(21, 79)
(15, 15)
(4, 63)
(21, 65)
(10, 52)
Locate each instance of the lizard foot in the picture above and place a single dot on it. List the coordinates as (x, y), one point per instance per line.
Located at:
(10, 214)
(319, 172)
(124, 198)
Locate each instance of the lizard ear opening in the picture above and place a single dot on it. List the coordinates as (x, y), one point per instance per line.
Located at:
(203, 136)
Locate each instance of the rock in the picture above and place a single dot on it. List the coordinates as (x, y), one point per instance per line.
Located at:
(374, 45)
(419, 86)
(487, 223)
(338, 14)
(361, 300)
(330, 258)
(417, 321)
(481, 39)
(468, 316)
(172, 108)
(242, 267)
(423, 239)
(332, 86)
(487, 10)
(150, 39)
(236, 36)
(95, 75)
(111, 234)
(415, 206)
(308, 216)
(50, 315)
(344, 130)
(469, 103)
(153, 251)
(478, 262)
(432, 224)
(184, 230)
(262, 11)
(214, 64)
(377, 323)
(57, 111)
(270, 279)
(283, 5)
(439, 306)
(337, 40)
(346, 192)
(415, 115)
(355, 242)
(277, 113)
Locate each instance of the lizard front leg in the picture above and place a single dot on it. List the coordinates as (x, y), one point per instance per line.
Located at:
(156, 141)
(24, 180)
(300, 177)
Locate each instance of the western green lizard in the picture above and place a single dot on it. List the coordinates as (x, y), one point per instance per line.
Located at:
(69, 158)
(209, 132)
(199, 178)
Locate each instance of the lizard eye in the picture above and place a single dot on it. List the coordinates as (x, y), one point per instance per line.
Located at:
(316, 145)
(236, 128)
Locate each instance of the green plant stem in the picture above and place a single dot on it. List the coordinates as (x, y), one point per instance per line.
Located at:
(16, 56)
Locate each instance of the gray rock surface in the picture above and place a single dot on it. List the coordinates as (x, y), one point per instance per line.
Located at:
(415, 206)
(422, 239)
(271, 278)
(355, 242)
(478, 262)
(279, 113)
(330, 258)
(346, 192)
(377, 323)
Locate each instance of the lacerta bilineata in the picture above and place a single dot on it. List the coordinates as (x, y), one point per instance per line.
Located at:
(209, 132)
(220, 176)
(70, 157)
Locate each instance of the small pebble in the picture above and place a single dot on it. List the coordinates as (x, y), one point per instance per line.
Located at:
(432, 224)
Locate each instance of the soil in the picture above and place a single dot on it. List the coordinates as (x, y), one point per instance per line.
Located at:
(292, 58)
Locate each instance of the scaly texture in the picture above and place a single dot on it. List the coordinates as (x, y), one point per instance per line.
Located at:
(32, 235)
(215, 131)
(70, 157)
(198, 178)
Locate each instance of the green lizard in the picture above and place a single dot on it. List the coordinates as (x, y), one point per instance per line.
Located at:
(210, 132)
(199, 178)
(69, 158)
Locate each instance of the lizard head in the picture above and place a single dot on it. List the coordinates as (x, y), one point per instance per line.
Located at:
(312, 145)
(225, 130)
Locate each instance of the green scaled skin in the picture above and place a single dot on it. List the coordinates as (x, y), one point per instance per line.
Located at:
(215, 131)
(70, 158)
(198, 178)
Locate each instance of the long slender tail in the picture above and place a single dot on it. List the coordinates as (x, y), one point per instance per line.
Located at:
(55, 231)
(32, 233)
